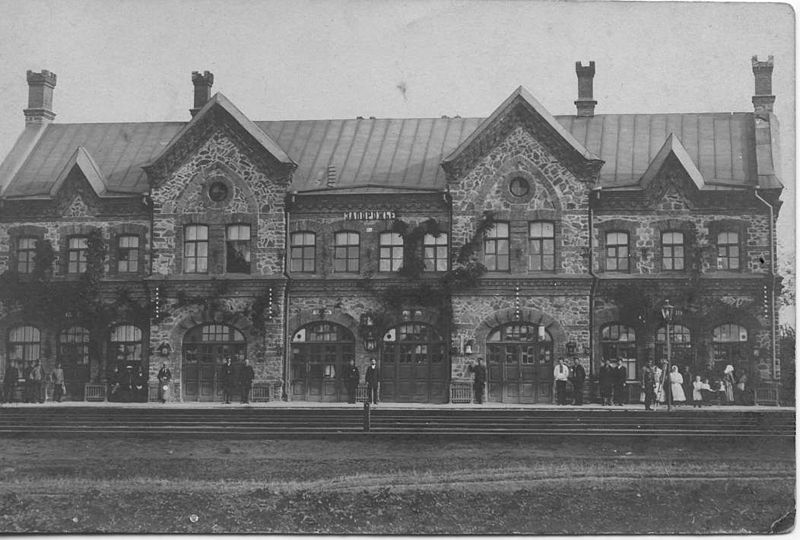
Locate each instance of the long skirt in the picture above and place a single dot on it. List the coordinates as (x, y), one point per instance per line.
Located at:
(163, 391)
(677, 393)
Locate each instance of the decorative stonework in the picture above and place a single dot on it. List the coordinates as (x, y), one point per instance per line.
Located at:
(78, 208)
(251, 193)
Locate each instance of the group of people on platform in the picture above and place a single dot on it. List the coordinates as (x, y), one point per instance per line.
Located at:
(234, 378)
(32, 379)
(127, 384)
(352, 377)
(680, 387)
(677, 386)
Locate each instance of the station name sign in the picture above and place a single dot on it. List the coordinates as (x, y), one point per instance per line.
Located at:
(370, 215)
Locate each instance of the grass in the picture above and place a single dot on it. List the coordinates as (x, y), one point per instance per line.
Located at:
(392, 487)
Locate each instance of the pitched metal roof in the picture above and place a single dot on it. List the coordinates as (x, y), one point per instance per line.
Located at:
(405, 153)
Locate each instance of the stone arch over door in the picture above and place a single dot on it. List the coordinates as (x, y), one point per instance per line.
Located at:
(236, 321)
(520, 349)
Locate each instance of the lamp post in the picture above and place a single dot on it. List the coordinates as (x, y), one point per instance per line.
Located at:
(668, 312)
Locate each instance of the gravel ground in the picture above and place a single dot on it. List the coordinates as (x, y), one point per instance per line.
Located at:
(392, 487)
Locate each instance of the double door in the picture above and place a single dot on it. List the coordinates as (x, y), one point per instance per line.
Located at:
(520, 372)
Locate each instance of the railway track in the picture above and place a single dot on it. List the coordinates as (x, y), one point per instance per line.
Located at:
(274, 423)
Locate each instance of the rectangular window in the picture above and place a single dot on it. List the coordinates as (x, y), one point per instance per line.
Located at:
(127, 254)
(26, 250)
(77, 250)
(495, 248)
(543, 246)
(195, 249)
(617, 252)
(728, 251)
(391, 252)
(237, 249)
(435, 248)
(303, 257)
(346, 252)
(672, 250)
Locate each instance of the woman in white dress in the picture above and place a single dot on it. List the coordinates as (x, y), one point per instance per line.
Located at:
(676, 386)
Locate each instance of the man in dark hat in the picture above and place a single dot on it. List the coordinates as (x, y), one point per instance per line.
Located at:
(606, 382)
(10, 382)
(577, 378)
(649, 385)
(371, 378)
(479, 380)
(351, 378)
(226, 379)
(246, 376)
(620, 375)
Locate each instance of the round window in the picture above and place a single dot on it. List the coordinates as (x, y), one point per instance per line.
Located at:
(217, 191)
(519, 187)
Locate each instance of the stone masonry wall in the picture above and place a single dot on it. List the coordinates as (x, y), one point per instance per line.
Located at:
(183, 198)
(555, 195)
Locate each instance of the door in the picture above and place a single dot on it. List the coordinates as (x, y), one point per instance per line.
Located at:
(205, 348)
(320, 353)
(73, 355)
(520, 364)
(414, 365)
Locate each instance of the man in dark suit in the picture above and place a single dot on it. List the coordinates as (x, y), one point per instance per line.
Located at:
(10, 382)
(226, 380)
(351, 378)
(479, 380)
(371, 378)
(620, 376)
(649, 385)
(246, 376)
(606, 382)
(577, 377)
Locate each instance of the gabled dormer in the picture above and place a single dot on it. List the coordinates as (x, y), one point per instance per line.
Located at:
(521, 108)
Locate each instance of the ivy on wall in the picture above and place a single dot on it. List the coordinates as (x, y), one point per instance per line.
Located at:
(465, 270)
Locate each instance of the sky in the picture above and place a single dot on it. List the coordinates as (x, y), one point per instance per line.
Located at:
(131, 60)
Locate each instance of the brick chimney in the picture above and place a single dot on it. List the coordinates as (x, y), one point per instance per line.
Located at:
(202, 89)
(763, 99)
(40, 97)
(586, 102)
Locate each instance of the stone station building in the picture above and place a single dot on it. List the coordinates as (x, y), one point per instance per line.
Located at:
(425, 243)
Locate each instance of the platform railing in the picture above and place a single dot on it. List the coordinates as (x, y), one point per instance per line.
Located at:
(461, 392)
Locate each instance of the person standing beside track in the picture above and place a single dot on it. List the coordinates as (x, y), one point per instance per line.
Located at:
(10, 382)
(619, 376)
(164, 379)
(478, 381)
(577, 378)
(226, 379)
(561, 374)
(606, 382)
(351, 378)
(371, 378)
(59, 389)
(649, 385)
(246, 376)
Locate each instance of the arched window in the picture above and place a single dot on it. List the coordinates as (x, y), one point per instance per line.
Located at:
(24, 344)
(412, 343)
(73, 346)
(320, 352)
(519, 359)
(730, 342)
(205, 348)
(680, 343)
(125, 346)
(619, 342)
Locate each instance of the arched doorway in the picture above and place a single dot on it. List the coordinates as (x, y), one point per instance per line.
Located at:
(414, 365)
(520, 363)
(205, 348)
(73, 355)
(320, 352)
